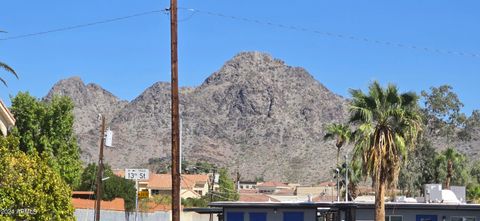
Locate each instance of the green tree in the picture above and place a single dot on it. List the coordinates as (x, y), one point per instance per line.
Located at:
(227, 188)
(472, 124)
(451, 167)
(113, 187)
(475, 171)
(196, 202)
(443, 112)
(473, 192)
(418, 170)
(354, 178)
(47, 128)
(30, 188)
(387, 123)
(341, 133)
(160, 199)
(473, 188)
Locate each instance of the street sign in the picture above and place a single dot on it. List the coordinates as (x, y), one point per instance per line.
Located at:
(136, 174)
(143, 194)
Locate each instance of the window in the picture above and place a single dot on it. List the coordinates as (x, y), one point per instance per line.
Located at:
(155, 192)
(234, 216)
(462, 218)
(293, 216)
(393, 218)
(258, 216)
(426, 218)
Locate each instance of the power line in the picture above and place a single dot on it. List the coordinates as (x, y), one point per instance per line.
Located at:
(83, 25)
(337, 35)
(260, 22)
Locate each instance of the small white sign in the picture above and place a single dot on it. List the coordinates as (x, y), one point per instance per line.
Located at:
(137, 174)
(109, 138)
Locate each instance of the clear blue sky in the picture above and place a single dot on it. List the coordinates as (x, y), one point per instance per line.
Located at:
(127, 56)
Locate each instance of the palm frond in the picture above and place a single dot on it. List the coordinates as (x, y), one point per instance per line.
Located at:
(8, 69)
(388, 123)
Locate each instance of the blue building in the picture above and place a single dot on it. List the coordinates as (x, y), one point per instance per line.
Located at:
(341, 211)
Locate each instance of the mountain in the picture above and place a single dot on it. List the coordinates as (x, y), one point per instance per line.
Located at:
(255, 115)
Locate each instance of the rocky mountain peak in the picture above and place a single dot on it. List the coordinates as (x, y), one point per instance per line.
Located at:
(256, 115)
(246, 66)
(90, 100)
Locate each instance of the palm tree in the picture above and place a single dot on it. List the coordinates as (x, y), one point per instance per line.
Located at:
(342, 134)
(387, 123)
(452, 159)
(354, 177)
(6, 68)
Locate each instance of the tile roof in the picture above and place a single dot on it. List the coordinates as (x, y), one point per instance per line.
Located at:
(116, 204)
(119, 172)
(164, 181)
(272, 184)
(285, 192)
(256, 198)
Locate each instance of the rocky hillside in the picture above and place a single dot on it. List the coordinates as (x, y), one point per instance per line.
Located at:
(256, 115)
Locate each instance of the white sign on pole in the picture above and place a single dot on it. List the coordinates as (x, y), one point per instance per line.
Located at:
(137, 174)
(109, 138)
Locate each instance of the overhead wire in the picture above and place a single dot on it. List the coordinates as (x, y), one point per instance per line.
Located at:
(260, 22)
(68, 28)
(336, 35)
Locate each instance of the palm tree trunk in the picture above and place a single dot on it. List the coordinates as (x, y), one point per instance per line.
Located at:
(338, 157)
(352, 191)
(379, 201)
(449, 174)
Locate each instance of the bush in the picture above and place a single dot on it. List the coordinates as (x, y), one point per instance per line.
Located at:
(30, 189)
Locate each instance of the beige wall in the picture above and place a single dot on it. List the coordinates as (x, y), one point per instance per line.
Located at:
(314, 190)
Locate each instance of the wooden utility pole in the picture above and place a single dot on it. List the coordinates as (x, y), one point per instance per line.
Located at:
(175, 115)
(212, 189)
(98, 192)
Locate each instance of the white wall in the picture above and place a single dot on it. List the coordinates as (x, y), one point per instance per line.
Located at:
(88, 215)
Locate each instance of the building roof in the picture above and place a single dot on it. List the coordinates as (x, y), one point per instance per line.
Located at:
(119, 172)
(164, 181)
(285, 192)
(256, 198)
(248, 182)
(315, 205)
(116, 204)
(272, 184)
(6, 114)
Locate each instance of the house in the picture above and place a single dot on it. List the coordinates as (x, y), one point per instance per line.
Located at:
(272, 187)
(191, 185)
(247, 185)
(315, 190)
(6, 119)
